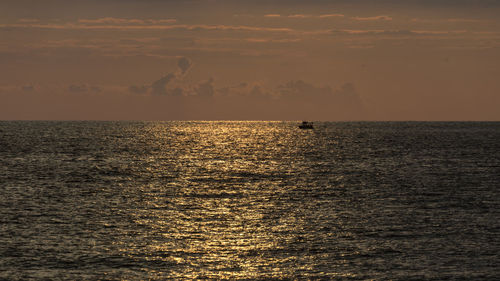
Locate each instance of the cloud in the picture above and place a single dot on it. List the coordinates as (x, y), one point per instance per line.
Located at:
(396, 32)
(205, 89)
(238, 89)
(299, 16)
(110, 20)
(258, 91)
(194, 27)
(385, 18)
(294, 90)
(330, 16)
(244, 90)
(184, 64)
(373, 32)
(272, 40)
(167, 85)
(291, 100)
(450, 20)
(159, 87)
(303, 16)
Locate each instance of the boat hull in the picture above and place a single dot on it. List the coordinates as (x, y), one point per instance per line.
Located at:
(305, 127)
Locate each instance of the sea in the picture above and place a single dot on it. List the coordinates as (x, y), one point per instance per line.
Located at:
(230, 200)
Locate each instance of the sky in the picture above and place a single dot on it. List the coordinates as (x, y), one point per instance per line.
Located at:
(250, 60)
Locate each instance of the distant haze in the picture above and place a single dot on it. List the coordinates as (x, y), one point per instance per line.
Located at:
(249, 60)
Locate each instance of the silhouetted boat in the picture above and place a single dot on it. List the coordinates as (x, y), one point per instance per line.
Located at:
(306, 125)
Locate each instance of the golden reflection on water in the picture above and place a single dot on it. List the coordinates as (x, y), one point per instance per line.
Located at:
(217, 210)
(218, 214)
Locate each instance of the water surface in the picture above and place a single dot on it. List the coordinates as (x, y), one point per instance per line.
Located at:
(249, 200)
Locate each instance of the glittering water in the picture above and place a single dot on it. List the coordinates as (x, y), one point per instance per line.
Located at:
(249, 200)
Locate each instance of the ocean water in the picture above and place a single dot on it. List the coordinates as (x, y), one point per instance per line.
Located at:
(249, 201)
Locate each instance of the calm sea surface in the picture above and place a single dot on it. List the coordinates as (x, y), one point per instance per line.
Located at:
(249, 200)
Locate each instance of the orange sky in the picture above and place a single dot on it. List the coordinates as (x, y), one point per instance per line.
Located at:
(264, 60)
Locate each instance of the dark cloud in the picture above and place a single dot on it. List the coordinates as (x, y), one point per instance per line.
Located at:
(159, 87)
(250, 100)
(166, 86)
(184, 64)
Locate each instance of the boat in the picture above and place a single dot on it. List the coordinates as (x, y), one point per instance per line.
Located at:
(306, 125)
